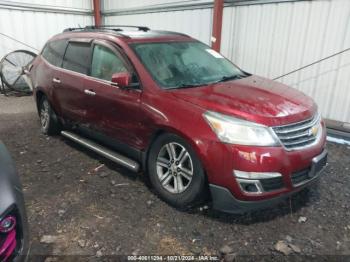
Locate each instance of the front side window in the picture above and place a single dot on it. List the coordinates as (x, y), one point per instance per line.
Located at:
(181, 64)
(77, 57)
(54, 51)
(105, 63)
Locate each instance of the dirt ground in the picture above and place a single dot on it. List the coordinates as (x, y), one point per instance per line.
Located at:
(81, 204)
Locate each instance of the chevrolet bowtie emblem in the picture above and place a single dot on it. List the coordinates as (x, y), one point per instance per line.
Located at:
(313, 131)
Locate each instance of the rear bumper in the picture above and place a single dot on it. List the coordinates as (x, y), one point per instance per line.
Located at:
(224, 201)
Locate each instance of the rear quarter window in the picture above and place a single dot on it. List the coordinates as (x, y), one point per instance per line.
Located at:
(53, 52)
(77, 57)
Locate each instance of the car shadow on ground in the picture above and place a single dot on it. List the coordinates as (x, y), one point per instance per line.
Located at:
(108, 163)
(286, 208)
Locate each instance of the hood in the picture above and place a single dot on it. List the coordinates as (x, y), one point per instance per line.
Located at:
(252, 98)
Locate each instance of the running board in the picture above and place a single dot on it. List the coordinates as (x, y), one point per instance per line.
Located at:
(107, 153)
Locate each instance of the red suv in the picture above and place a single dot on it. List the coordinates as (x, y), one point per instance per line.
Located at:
(200, 127)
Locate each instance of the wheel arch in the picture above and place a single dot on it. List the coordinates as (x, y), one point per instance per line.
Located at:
(39, 94)
(170, 130)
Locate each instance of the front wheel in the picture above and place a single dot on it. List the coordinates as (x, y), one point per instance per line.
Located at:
(175, 172)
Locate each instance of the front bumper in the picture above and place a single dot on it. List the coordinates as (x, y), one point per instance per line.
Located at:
(224, 201)
(222, 160)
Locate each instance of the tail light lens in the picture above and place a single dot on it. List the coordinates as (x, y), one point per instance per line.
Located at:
(8, 239)
(7, 224)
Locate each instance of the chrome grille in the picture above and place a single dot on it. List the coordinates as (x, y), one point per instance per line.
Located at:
(298, 135)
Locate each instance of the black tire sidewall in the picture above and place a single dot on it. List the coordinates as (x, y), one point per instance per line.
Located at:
(194, 194)
(52, 127)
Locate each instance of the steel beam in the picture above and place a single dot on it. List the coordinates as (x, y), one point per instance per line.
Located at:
(97, 12)
(217, 24)
(43, 8)
(178, 6)
(186, 5)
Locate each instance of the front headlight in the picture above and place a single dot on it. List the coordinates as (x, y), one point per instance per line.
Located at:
(241, 132)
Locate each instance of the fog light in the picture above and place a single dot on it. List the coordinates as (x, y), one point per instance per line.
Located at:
(250, 186)
(7, 224)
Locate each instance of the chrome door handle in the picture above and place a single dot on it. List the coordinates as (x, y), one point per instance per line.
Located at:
(56, 80)
(89, 92)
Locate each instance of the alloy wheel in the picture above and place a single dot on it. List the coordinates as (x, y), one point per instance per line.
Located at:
(44, 114)
(174, 168)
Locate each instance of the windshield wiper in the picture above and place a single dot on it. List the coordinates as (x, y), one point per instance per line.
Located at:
(223, 79)
(185, 85)
(227, 78)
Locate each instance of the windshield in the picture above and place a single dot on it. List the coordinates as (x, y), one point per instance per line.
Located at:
(185, 64)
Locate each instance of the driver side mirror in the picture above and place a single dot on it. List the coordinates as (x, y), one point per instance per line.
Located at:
(121, 79)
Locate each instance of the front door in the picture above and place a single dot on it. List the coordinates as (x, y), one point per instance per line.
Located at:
(113, 111)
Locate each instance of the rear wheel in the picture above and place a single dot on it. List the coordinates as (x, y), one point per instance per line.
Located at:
(175, 172)
(48, 118)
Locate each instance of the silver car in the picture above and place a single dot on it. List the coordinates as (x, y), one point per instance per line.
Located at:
(13, 220)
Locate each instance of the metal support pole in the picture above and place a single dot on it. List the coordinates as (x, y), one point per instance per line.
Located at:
(97, 12)
(217, 24)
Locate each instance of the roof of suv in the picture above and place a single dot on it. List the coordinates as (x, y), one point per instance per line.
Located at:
(139, 34)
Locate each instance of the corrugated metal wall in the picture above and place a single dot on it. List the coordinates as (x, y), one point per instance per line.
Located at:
(273, 39)
(81, 4)
(269, 40)
(35, 21)
(192, 22)
(187, 21)
(121, 4)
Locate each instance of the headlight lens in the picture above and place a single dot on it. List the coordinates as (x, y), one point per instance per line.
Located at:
(237, 131)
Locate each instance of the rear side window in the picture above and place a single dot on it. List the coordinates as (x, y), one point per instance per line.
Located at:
(54, 51)
(77, 57)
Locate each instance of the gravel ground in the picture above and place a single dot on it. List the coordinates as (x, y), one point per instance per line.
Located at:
(81, 204)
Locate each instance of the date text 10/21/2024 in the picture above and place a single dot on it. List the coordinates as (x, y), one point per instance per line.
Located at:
(174, 258)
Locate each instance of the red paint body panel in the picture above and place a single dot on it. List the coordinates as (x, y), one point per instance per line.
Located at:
(253, 98)
(114, 111)
(134, 116)
(69, 95)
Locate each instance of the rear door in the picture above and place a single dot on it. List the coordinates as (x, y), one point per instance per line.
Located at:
(46, 69)
(68, 82)
(113, 111)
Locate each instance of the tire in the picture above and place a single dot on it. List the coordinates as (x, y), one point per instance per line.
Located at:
(164, 174)
(48, 119)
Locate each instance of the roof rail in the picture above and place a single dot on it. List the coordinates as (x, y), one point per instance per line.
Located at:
(111, 27)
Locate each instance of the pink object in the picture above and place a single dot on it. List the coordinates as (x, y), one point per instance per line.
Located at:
(9, 245)
(10, 250)
(7, 224)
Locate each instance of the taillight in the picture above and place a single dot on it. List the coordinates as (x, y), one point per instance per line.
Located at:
(8, 238)
(7, 224)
